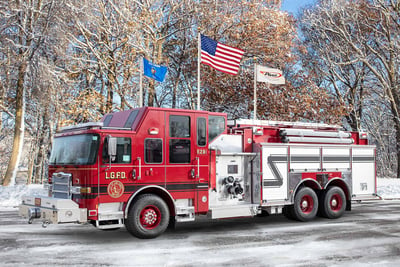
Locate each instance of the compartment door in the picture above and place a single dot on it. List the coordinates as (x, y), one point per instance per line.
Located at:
(363, 173)
(274, 173)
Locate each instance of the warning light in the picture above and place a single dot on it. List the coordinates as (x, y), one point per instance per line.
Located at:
(153, 131)
(363, 135)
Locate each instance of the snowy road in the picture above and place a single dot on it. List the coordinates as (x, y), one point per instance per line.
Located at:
(368, 235)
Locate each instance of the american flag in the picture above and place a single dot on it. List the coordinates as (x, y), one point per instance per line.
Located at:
(219, 56)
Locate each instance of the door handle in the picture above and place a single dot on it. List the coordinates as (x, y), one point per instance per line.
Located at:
(134, 174)
(198, 167)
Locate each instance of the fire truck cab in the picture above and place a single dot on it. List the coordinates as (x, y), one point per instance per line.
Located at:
(149, 167)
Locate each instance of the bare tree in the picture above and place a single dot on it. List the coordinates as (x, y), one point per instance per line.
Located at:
(269, 35)
(23, 21)
(333, 67)
(28, 35)
(109, 40)
(359, 46)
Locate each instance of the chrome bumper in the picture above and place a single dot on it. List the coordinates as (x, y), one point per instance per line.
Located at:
(52, 210)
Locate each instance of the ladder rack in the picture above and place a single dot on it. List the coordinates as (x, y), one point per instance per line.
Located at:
(286, 124)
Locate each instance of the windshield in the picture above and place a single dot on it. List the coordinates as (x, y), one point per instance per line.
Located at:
(75, 150)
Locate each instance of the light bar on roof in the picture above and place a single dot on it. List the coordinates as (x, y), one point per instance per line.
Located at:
(313, 133)
(316, 140)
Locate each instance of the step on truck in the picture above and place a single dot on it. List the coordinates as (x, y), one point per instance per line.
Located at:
(149, 167)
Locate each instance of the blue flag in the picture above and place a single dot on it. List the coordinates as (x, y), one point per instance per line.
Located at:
(154, 71)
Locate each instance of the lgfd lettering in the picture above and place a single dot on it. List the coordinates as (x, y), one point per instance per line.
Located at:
(115, 175)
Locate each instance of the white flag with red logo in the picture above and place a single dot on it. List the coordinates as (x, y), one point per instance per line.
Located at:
(268, 75)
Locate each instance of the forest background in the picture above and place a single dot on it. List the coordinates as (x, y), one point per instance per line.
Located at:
(64, 62)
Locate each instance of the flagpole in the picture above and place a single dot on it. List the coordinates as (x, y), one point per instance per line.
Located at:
(255, 91)
(141, 83)
(198, 67)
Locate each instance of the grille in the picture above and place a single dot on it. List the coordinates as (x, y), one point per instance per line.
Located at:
(62, 183)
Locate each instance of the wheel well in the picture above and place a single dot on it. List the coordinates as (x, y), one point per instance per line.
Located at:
(311, 183)
(158, 191)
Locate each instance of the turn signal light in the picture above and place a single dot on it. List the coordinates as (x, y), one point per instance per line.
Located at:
(86, 190)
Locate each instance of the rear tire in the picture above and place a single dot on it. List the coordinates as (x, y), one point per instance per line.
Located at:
(148, 217)
(305, 206)
(333, 203)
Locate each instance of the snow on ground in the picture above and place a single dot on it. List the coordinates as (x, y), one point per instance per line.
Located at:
(389, 188)
(367, 237)
(10, 196)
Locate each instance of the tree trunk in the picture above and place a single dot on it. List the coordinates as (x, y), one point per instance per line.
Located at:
(31, 159)
(110, 96)
(2, 103)
(175, 89)
(398, 155)
(396, 120)
(9, 178)
(30, 169)
(151, 94)
(42, 147)
(174, 93)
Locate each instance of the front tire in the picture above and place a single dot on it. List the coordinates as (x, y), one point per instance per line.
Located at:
(333, 203)
(305, 206)
(148, 217)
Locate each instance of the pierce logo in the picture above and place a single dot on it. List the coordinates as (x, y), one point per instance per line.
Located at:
(115, 189)
(271, 74)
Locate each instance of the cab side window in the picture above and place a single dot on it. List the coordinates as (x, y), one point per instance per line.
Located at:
(179, 143)
(153, 150)
(201, 131)
(179, 126)
(216, 126)
(124, 150)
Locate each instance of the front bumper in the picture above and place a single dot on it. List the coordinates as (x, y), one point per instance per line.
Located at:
(52, 210)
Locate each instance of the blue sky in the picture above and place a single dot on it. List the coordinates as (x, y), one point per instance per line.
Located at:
(294, 6)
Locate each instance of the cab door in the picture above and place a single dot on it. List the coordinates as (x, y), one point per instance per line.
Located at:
(180, 157)
(149, 152)
(115, 171)
(201, 161)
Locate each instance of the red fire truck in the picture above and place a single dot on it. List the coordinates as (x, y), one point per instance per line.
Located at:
(147, 168)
